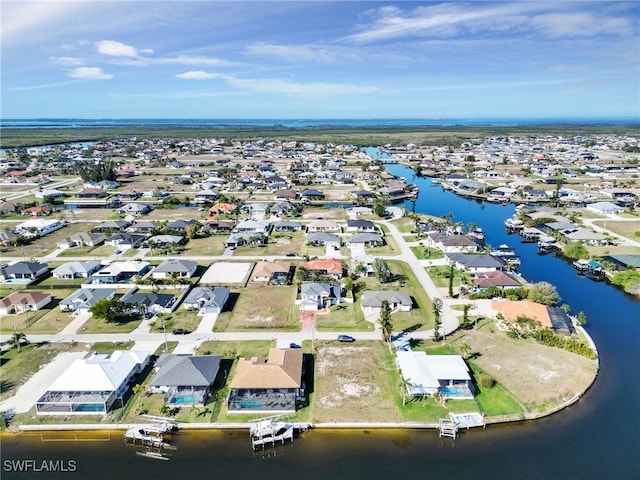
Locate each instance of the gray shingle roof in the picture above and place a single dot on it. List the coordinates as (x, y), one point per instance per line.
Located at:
(186, 370)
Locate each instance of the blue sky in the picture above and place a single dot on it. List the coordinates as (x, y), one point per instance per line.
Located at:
(329, 59)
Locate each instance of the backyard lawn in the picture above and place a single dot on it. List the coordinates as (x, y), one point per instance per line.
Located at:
(345, 317)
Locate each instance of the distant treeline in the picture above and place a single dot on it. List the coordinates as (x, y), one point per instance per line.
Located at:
(360, 136)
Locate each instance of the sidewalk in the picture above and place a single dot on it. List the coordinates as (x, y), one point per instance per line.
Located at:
(75, 324)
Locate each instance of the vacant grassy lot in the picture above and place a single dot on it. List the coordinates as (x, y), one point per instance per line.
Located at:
(420, 318)
(95, 325)
(17, 367)
(180, 318)
(260, 307)
(213, 245)
(626, 229)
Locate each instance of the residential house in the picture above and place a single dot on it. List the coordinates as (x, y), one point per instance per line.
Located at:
(323, 238)
(362, 226)
(476, 262)
(91, 193)
(71, 270)
(224, 208)
(366, 240)
(175, 267)
(207, 299)
(23, 270)
(496, 278)
(319, 295)
(452, 243)
(83, 299)
(121, 272)
(312, 194)
(605, 208)
(283, 208)
(143, 226)
(399, 301)
(546, 317)
(271, 272)
(38, 227)
(206, 196)
(253, 226)
(37, 210)
(220, 226)
(125, 240)
(185, 379)
(81, 239)
(135, 209)
(181, 225)
(165, 240)
(428, 375)
(7, 208)
(285, 194)
(286, 226)
(92, 385)
(326, 267)
(272, 384)
(150, 302)
(323, 226)
(239, 239)
(112, 226)
(24, 301)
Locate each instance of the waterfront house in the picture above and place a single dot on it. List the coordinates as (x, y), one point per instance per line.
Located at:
(207, 299)
(605, 208)
(135, 209)
(319, 295)
(71, 270)
(91, 386)
(270, 385)
(371, 301)
(271, 272)
(22, 270)
(496, 278)
(428, 375)
(476, 262)
(24, 301)
(175, 267)
(91, 193)
(452, 243)
(546, 317)
(83, 299)
(185, 379)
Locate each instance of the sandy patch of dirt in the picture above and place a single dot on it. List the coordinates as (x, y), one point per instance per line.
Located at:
(537, 375)
(351, 382)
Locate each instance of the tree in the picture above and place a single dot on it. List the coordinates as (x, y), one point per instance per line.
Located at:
(544, 293)
(379, 209)
(385, 320)
(575, 250)
(582, 318)
(138, 389)
(191, 231)
(17, 338)
(437, 313)
(91, 171)
(465, 349)
(451, 275)
(164, 409)
(110, 310)
(382, 270)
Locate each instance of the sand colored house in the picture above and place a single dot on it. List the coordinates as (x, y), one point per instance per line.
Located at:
(271, 272)
(268, 384)
(548, 317)
(331, 267)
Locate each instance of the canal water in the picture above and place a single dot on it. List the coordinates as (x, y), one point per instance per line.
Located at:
(596, 438)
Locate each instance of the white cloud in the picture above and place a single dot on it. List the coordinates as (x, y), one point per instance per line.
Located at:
(90, 73)
(68, 61)
(116, 49)
(299, 53)
(287, 87)
(197, 75)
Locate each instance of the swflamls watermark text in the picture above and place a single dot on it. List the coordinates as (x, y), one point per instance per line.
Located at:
(31, 465)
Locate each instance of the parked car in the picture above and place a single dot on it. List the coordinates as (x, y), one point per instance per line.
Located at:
(181, 331)
(294, 345)
(346, 338)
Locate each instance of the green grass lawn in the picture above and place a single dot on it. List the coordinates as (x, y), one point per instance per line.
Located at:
(427, 253)
(213, 245)
(440, 276)
(46, 320)
(260, 307)
(17, 367)
(95, 325)
(343, 317)
(110, 347)
(180, 318)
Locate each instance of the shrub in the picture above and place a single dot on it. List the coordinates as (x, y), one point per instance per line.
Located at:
(486, 381)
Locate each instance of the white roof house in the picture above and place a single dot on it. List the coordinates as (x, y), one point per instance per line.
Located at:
(431, 374)
(91, 385)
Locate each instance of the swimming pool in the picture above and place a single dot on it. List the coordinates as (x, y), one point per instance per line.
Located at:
(185, 400)
(453, 392)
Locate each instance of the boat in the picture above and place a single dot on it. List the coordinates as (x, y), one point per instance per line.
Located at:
(435, 181)
(147, 435)
(507, 254)
(513, 224)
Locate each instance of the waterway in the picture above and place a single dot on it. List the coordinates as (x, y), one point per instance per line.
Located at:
(596, 438)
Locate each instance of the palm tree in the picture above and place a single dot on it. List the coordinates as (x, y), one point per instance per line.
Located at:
(164, 409)
(17, 338)
(385, 320)
(138, 389)
(465, 349)
(437, 313)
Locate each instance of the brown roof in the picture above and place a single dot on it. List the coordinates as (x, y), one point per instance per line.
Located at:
(281, 369)
(329, 265)
(23, 298)
(513, 309)
(266, 269)
(495, 279)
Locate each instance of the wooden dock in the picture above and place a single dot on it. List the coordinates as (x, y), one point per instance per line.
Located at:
(447, 428)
